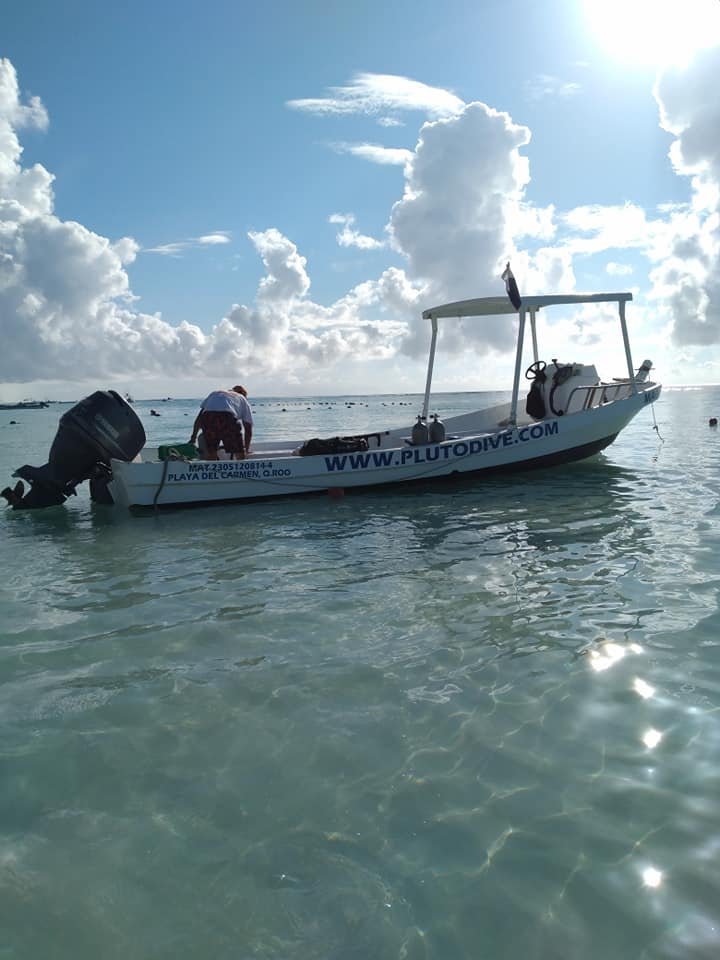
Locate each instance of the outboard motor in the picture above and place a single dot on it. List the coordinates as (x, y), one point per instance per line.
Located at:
(643, 371)
(101, 427)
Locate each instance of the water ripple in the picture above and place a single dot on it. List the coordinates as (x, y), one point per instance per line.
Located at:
(479, 721)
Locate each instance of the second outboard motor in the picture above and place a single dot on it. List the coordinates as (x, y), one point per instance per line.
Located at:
(101, 427)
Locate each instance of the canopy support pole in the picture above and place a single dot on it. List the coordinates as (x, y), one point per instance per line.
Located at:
(518, 365)
(626, 341)
(431, 361)
(533, 313)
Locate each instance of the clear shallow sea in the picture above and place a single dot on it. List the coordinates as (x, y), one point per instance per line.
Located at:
(464, 722)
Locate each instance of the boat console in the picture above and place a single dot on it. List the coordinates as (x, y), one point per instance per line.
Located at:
(563, 379)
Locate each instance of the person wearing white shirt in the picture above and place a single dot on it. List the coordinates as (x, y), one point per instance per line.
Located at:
(225, 415)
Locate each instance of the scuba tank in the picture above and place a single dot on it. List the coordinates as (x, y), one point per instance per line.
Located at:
(437, 430)
(419, 432)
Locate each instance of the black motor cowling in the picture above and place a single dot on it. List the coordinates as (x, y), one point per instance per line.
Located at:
(101, 427)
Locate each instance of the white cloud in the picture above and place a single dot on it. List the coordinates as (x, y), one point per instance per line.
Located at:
(549, 269)
(688, 279)
(393, 156)
(544, 85)
(374, 93)
(390, 122)
(169, 249)
(67, 309)
(349, 237)
(618, 269)
(615, 227)
(462, 189)
(12, 109)
(286, 279)
(178, 247)
(286, 329)
(20, 189)
(71, 309)
(220, 236)
(65, 299)
(530, 221)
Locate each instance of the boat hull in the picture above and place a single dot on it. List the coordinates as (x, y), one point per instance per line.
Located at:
(280, 473)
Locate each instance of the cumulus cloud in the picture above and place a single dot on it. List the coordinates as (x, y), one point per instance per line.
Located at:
(12, 109)
(527, 220)
(20, 189)
(462, 208)
(452, 224)
(65, 294)
(349, 236)
(375, 93)
(67, 308)
(65, 300)
(286, 327)
(286, 278)
(688, 278)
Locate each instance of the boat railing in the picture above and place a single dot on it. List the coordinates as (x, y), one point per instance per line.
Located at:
(597, 394)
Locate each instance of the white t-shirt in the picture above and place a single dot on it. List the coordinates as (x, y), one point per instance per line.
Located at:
(227, 401)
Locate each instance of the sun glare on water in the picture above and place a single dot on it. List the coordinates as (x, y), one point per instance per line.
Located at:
(654, 33)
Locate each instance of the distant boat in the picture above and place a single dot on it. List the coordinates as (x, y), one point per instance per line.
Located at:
(25, 405)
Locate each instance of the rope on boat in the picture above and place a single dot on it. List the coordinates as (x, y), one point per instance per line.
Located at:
(162, 484)
(173, 455)
(655, 426)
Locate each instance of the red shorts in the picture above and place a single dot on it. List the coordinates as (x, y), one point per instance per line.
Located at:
(222, 427)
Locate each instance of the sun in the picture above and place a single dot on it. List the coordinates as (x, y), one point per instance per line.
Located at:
(654, 33)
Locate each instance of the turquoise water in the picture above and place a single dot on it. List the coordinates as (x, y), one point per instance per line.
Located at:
(463, 722)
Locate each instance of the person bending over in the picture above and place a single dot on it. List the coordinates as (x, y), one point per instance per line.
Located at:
(223, 418)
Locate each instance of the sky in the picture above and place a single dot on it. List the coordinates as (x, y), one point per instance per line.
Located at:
(195, 195)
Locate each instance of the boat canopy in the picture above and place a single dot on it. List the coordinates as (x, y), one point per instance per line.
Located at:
(494, 306)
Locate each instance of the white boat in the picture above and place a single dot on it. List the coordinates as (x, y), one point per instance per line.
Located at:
(26, 405)
(568, 414)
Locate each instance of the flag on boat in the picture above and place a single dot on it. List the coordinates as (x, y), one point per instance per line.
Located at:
(511, 287)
